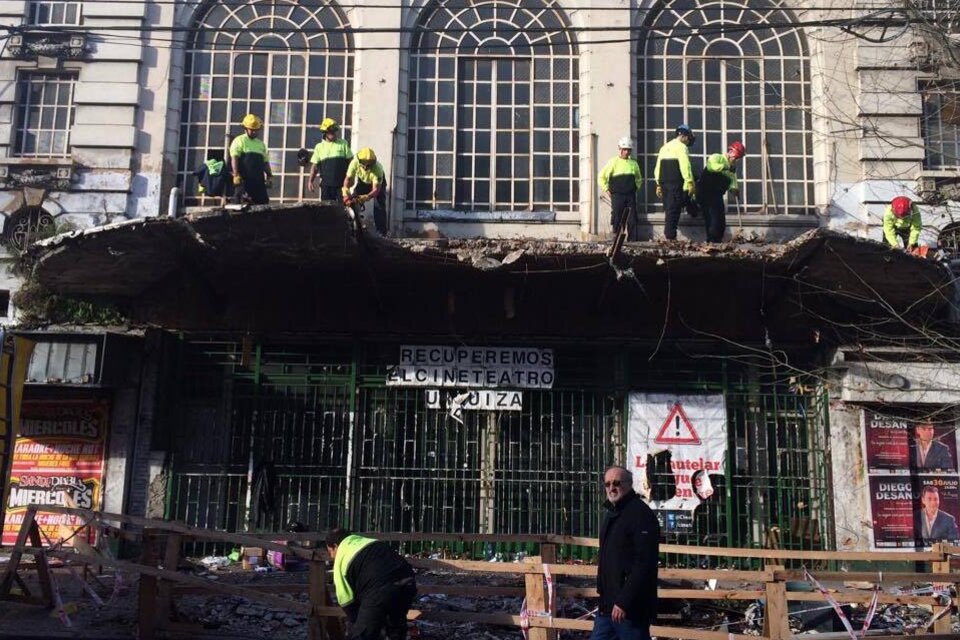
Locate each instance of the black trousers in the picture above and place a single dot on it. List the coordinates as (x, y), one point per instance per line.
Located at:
(330, 193)
(714, 215)
(379, 205)
(674, 202)
(384, 610)
(255, 191)
(624, 205)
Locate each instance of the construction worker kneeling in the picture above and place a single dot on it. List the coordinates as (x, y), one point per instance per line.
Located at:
(370, 186)
(718, 178)
(620, 179)
(375, 586)
(902, 223)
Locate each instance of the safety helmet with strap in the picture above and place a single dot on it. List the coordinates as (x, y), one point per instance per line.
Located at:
(626, 142)
(366, 156)
(329, 124)
(251, 121)
(901, 206)
(736, 149)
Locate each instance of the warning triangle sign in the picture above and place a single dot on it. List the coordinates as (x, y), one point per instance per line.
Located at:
(677, 429)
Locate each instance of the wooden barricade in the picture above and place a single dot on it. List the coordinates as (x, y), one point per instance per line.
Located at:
(160, 583)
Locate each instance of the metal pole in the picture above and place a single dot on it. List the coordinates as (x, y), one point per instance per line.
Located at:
(172, 202)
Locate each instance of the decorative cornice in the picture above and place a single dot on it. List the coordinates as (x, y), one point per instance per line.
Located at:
(57, 177)
(30, 46)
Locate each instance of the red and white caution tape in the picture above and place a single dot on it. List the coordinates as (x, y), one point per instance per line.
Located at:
(524, 619)
(550, 592)
(871, 610)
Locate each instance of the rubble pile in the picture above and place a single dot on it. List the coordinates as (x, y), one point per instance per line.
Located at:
(240, 617)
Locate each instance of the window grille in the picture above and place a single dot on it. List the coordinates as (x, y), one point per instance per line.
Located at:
(493, 112)
(26, 227)
(44, 115)
(941, 124)
(700, 66)
(288, 61)
(45, 12)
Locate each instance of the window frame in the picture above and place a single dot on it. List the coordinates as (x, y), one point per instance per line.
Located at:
(36, 7)
(22, 128)
(454, 178)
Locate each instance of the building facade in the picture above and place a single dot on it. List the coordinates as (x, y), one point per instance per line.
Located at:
(492, 118)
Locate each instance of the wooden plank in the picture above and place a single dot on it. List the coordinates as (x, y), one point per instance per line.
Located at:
(775, 622)
(317, 587)
(43, 568)
(503, 567)
(510, 620)
(17, 553)
(786, 554)
(708, 594)
(889, 578)
(207, 585)
(147, 591)
(942, 624)
(171, 560)
(536, 598)
(196, 532)
(861, 597)
(548, 555)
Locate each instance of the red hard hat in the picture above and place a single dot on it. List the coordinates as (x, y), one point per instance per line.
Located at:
(737, 149)
(901, 206)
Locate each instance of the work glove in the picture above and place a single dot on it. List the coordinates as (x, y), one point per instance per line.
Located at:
(268, 182)
(660, 192)
(201, 190)
(734, 193)
(237, 180)
(691, 189)
(347, 201)
(362, 198)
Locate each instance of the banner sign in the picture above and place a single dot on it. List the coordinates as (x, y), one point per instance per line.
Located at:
(473, 367)
(895, 445)
(913, 481)
(484, 400)
(58, 460)
(685, 439)
(914, 511)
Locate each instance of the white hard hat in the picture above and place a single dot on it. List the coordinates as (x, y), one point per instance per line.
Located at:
(626, 142)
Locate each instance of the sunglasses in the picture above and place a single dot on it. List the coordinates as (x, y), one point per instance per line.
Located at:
(613, 483)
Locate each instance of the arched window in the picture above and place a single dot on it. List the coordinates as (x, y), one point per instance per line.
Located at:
(25, 227)
(493, 108)
(715, 65)
(288, 61)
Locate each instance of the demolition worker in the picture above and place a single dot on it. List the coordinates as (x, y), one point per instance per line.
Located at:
(375, 586)
(250, 164)
(902, 221)
(370, 182)
(330, 159)
(627, 568)
(673, 175)
(719, 177)
(620, 179)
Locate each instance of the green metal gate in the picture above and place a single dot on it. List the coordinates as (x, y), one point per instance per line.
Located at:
(266, 435)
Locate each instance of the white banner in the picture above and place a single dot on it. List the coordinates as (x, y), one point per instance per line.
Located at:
(692, 429)
(473, 367)
(481, 399)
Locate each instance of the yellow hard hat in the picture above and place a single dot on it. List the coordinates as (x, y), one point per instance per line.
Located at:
(327, 124)
(251, 121)
(366, 155)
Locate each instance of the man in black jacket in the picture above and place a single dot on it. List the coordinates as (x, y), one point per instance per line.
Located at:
(375, 586)
(627, 571)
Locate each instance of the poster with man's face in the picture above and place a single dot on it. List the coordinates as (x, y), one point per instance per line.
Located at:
(895, 444)
(914, 511)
